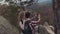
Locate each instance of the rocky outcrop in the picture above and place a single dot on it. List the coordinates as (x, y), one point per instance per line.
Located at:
(45, 29)
(6, 27)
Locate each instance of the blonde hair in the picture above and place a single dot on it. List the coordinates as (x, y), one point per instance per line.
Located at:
(20, 16)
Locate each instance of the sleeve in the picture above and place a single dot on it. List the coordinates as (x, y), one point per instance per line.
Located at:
(37, 20)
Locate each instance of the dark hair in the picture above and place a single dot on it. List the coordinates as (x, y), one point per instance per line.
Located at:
(27, 14)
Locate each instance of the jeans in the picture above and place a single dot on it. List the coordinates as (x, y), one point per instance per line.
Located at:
(26, 32)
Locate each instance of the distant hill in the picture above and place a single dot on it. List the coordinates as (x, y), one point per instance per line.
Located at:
(45, 8)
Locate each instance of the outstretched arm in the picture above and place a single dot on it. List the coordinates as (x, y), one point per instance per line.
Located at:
(37, 20)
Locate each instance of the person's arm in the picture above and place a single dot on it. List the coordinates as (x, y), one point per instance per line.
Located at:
(21, 25)
(37, 20)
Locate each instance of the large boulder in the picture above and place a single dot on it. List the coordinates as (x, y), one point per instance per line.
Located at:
(46, 29)
(6, 27)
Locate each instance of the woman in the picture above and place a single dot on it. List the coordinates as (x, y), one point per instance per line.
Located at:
(24, 23)
(20, 17)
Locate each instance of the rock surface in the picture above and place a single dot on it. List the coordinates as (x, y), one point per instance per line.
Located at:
(6, 27)
(45, 29)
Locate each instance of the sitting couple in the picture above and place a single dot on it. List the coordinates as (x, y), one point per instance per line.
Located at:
(27, 23)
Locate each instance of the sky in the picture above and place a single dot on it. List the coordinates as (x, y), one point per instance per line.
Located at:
(41, 1)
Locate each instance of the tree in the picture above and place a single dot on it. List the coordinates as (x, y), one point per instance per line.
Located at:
(7, 0)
